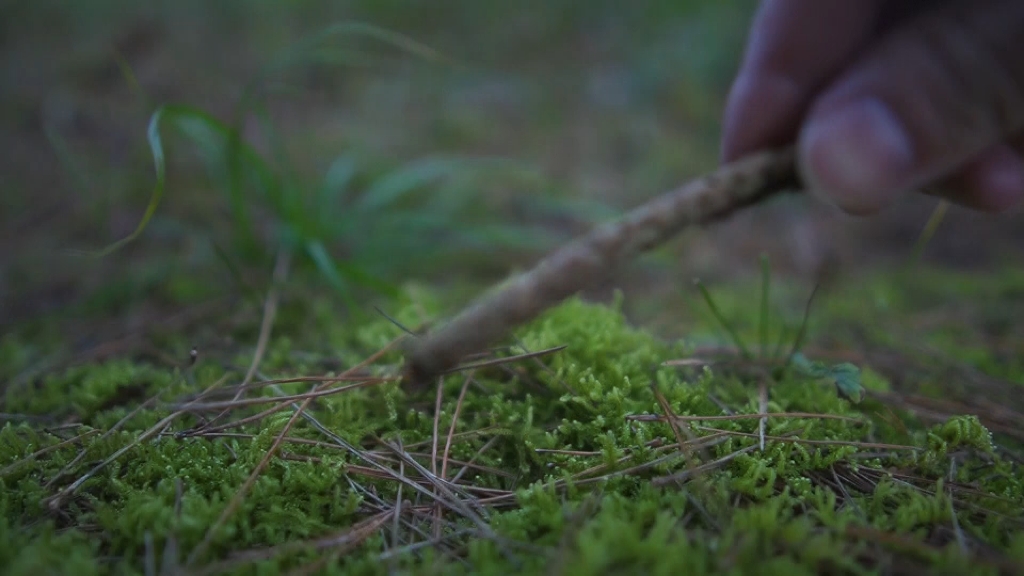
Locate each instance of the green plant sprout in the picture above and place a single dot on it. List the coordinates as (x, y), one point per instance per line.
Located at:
(845, 376)
(375, 219)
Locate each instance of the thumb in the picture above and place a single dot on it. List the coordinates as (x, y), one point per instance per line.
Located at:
(931, 95)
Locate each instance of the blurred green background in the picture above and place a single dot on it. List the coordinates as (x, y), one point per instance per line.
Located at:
(381, 142)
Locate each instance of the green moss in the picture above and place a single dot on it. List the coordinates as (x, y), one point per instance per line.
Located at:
(565, 448)
(45, 552)
(85, 391)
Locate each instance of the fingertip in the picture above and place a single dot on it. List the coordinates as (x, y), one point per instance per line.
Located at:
(857, 156)
(732, 146)
(993, 182)
(762, 110)
(794, 48)
(925, 100)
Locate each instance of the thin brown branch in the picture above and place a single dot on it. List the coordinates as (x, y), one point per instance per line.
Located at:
(57, 500)
(472, 461)
(679, 418)
(505, 360)
(397, 523)
(438, 515)
(228, 405)
(703, 442)
(444, 492)
(84, 451)
(690, 473)
(236, 500)
(341, 541)
(281, 265)
(293, 380)
(323, 390)
(42, 451)
(460, 435)
(684, 446)
(874, 445)
(581, 263)
(762, 409)
(451, 429)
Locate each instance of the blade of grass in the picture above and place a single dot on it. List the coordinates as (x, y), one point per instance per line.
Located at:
(248, 289)
(337, 273)
(215, 138)
(780, 341)
(763, 322)
(298, 221)
(801, 333)
(312, 49)
(762, 409)
(130, 78)
(717, 313)
(334, 191)
(67, 159)
(156, 146)
(930, 227)
(312, 45)
(393, 187)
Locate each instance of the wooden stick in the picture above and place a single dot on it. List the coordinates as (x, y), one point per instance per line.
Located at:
(581, 263)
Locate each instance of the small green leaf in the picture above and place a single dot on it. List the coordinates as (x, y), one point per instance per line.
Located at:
(413, 177)
(847, 379)
(845, 376)
(337, 272)
(157, 148)
(337, 181)
(805, 366)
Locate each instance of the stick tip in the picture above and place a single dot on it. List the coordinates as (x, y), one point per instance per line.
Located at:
(421, 368)
(414, 377)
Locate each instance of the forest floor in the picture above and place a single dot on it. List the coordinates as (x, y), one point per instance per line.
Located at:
(382, 186)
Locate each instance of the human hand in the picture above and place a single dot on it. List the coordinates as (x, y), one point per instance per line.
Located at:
(882, 97)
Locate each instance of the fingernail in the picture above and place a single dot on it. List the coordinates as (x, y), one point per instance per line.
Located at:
(857, 156)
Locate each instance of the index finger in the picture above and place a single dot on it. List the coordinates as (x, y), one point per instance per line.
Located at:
(795, 48)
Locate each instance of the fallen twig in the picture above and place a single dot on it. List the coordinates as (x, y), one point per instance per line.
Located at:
(580, 263)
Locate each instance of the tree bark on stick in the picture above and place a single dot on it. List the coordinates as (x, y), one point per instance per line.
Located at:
(582, 262)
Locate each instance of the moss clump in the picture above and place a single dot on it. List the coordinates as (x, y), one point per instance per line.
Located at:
(565, 463)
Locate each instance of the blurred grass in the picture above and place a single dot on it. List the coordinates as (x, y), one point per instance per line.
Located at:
(382, 142)
(375, 164)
